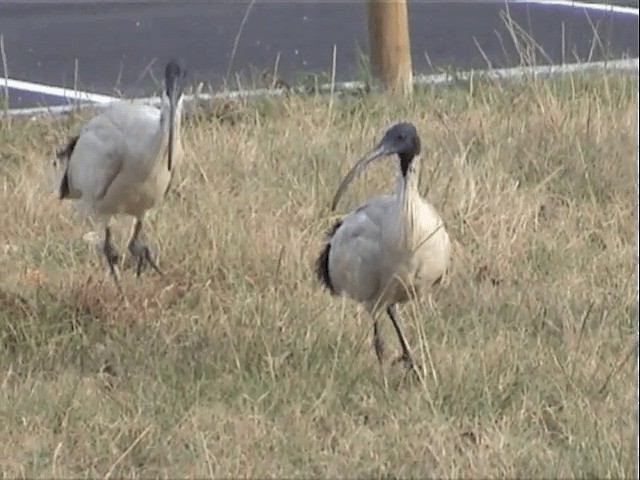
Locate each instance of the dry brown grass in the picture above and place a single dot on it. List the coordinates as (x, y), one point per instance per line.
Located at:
(237, 363)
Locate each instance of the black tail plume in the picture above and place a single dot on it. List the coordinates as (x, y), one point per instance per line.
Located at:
(322, 262)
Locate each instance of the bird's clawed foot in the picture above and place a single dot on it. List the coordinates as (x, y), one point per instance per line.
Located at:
(143, 255)
(112, 260)
(409, 365)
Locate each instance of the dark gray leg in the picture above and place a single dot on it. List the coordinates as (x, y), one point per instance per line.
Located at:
(378, 343)
(406, 356)
(140, 251)
(111, 255)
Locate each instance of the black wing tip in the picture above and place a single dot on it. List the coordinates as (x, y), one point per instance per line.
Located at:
(322, 262)
(68, 149)
(65, 153)
(64, 187)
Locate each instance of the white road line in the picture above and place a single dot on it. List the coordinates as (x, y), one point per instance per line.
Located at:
(69, 94)
(543, 70)
(587, 6)
(630, 65)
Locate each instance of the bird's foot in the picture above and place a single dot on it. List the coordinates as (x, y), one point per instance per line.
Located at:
(408, 363)
(112, 260)
(143, 255)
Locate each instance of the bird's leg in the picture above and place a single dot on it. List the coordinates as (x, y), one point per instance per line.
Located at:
(140, 251)
(111, 255)
(406, 356)
(378, 343)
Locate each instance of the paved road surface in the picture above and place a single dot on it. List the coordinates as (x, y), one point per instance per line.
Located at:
(113, 42)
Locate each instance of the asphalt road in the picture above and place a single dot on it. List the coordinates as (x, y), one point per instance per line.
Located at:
(113, 43)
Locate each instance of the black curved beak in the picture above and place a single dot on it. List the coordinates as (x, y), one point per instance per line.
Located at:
(381, 150)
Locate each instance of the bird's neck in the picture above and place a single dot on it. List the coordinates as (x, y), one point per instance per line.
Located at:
(165, 136)
(408, 197)
(165, 113)
(407, 182)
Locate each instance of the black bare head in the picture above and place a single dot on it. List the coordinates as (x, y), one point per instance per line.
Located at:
(401, 139)
(174, 76)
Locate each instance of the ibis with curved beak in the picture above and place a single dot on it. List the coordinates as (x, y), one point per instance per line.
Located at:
(122, 163)
(391, 248)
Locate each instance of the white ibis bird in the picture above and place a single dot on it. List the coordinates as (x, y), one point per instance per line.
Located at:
(122, 162)
(392, 247)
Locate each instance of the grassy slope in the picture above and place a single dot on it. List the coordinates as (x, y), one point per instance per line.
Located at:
(238, 363)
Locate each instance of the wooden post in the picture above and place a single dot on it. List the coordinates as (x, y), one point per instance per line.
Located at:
(390, 50)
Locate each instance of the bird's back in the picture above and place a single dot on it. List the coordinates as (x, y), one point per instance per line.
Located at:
(131, 117)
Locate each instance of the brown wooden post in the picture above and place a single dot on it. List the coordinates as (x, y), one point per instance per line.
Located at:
(390, 50)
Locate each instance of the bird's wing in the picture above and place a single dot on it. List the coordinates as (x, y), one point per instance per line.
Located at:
(121, 131)
(97, 159)
(357, 257)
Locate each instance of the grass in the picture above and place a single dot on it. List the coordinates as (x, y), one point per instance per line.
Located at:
(236, 362)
